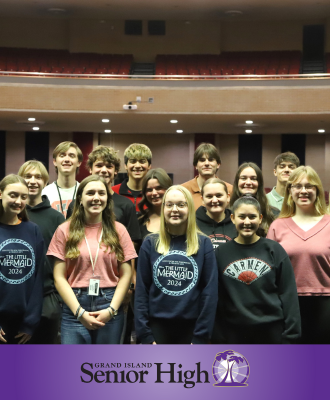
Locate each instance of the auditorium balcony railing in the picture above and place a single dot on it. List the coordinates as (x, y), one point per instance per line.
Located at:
(165, 77)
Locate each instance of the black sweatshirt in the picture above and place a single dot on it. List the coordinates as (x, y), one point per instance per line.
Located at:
(48, 220)
(218, 232)
(257, 286)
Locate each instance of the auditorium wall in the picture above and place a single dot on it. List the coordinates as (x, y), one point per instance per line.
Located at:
(81, 35)
(174, 153)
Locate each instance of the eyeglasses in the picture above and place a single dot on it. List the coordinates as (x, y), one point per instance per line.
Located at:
(180, 205)
(298, 187)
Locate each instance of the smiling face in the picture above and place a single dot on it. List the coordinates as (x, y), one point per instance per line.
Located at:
(176, 210)
(94, 199)
(303, 193)
(137, 168)
(104, 169)
(207, 167)
(67, 162)
(248, 181)
(284, 170)
(154, 193)
(35, 183)
(247, 221)
(14, 199)
(215, 198)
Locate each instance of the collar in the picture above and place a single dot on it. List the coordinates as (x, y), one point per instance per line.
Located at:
(277, 197)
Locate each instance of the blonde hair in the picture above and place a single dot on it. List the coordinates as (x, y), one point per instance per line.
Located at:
(192, 232)
(139, 151)
(289, 206)
(34, 164)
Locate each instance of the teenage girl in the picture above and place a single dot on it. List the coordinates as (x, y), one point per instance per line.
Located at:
(154, 185)
(257, 289)
(303, 229)
(249, 180)
(213, 218)
(92, 267)
(21, 264)
(176, 283)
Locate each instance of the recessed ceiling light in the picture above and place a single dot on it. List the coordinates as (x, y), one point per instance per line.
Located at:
(105, 120)
(321, 130)
(107, 131)
(174, 121)
(248, 131)
(31, 119)
(249, 122)
(36, 128)
(179, 131)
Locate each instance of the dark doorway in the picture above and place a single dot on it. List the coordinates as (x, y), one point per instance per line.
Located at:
(313, 42)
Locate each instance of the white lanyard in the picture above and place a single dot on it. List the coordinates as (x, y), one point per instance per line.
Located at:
(97, 251)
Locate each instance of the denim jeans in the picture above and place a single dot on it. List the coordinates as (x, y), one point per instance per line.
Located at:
(74, 332)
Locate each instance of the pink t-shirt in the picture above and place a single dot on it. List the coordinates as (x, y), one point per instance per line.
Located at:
(309, 253)
(79, 270)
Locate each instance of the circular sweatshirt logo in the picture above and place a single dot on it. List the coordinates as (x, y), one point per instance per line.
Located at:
(230, 369)
(17, 261)
(175, 273)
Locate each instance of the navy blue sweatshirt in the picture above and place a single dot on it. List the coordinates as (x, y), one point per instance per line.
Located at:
(176, 286)
(21, 269)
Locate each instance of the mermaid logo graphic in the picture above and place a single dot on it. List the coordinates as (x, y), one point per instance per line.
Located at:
(230, 369)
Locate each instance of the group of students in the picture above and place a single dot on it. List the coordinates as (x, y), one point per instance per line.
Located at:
(202, 262)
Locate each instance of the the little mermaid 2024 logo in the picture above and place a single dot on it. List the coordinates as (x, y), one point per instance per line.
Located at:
(230, 369)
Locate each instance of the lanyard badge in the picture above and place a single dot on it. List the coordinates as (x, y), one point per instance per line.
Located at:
(94, 281)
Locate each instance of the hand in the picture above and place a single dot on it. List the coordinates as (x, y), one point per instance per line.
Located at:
(90, 322)
(2, 339)
(25, 337)
(102, 315)
(154, 343)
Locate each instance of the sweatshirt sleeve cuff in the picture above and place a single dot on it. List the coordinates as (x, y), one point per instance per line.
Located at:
(27, 329)
(147, 339)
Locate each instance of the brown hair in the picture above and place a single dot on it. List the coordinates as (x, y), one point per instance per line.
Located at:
(208, 150)
(63, 147)
(106, 154)
(289, 206)
(164, 181)
(8, 180)
(77, 224)
(211, 181)
(288, 157)
(266, 211)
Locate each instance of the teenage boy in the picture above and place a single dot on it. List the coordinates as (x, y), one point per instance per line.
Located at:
(207, 162)
(105, 162)
(67, 158)
(284, 164)
(137, 158)
(40, 212)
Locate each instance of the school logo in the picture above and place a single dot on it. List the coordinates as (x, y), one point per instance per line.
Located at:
(230, 369)
(175, 273)
(17, 261)
(247, 270)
